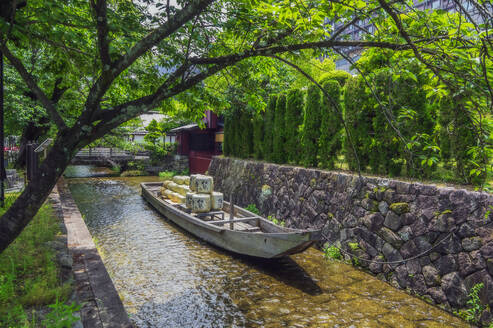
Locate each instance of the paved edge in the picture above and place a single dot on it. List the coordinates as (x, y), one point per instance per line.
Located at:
(101, 306)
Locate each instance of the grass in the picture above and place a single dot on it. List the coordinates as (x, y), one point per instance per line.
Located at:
(29, 276)
(133, 173)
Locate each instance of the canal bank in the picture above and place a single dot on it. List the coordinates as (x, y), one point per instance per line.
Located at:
(166, 277)
(100, 305)
(435, 242)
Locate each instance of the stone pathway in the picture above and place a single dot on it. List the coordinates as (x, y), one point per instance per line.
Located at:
(101, 306)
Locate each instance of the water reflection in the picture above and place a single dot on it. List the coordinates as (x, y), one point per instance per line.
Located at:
(168, 278)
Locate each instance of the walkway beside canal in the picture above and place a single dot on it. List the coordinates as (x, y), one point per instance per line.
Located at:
(100, 304)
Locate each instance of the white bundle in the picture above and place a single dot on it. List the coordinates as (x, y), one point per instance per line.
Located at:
(201, 203)
(217, 200)
(204, 184)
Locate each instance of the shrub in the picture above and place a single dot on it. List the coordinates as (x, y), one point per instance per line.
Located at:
(293, 121)
(258, 135)
(133, 173)
(269, 127)
(278, 153)
(311, 126)
(332, 252)
(340, 76)
(330, 129)
(253, 208)
(167, 174)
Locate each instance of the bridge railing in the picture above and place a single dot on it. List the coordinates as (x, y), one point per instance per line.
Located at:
(103, 152)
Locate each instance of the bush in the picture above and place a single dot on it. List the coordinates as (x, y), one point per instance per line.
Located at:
(270, 114)
(258, 135)
(311, 127)
(340, 76)
(167, 174)
(293, 121)
(253, 208)
(133, 173)
(330, 129)
(278, 153)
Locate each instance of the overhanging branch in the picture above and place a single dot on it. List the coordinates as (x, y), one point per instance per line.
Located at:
(29, 80)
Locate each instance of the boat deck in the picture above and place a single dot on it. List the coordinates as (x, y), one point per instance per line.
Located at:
(220, 218)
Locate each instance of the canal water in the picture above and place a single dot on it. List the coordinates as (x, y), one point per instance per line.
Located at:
(168, 278)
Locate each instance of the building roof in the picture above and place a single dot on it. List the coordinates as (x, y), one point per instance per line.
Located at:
(184, 128)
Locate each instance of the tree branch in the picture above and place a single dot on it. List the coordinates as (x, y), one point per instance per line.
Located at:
(191, 10)
(267, 51)
(100, 9)
(29, 80)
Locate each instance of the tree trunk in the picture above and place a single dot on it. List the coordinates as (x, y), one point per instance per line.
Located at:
(32, 132)
(32, 198)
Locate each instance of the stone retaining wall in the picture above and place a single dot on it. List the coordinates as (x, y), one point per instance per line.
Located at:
(177, 163)
(380, 220)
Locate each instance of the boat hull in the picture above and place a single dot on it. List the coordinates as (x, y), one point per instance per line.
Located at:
(264, 245)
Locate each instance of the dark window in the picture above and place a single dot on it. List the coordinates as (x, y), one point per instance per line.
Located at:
(203, 142)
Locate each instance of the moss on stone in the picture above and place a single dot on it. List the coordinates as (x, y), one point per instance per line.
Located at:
(399, 208)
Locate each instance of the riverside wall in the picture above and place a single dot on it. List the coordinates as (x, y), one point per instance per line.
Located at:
(439, 239)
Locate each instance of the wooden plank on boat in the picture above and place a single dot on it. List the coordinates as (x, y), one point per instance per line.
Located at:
(253, 218)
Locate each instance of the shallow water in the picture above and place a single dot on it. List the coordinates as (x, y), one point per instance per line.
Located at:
(168, 278)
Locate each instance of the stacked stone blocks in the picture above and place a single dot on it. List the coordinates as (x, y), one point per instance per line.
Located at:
(439, 240)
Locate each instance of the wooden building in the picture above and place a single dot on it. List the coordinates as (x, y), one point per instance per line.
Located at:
(200, 144)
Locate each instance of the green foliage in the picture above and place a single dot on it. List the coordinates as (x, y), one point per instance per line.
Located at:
(332, 252)
(245, 134)
(457, 138)
(274, 220)
(258, 135)
(270, 115)
(476, 308)
(154, 132)
(28, 274)
(253, 208)
(358, 115)
(340, 76)
(61, 315)
(293, 122)
(278, 152)
(353, 246)
(167, 175)
(311, 127)
(330, 129)
(159, 150)
(133, 173)
(228, 135)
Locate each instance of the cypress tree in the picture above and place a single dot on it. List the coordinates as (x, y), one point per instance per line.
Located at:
(258, 135)
(457, 135)
(358, 115)
(293, 121)
(228, 138)
(311, 127)
(236, 148)
(270, 114)
(245, 132)
(278, 153)
(330, 136)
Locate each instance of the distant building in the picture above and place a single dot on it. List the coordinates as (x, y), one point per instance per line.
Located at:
(362, 27)
(200, 144)
(137, 135)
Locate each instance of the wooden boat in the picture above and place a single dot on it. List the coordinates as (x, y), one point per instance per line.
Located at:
(247, 234)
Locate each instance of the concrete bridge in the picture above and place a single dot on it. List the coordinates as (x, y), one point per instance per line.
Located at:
(101, 156)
